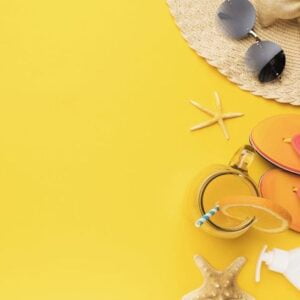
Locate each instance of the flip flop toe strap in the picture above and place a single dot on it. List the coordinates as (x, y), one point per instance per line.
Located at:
(295, 142)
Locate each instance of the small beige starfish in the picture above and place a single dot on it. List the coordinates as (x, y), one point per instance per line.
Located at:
(218, 116)
(219, 285)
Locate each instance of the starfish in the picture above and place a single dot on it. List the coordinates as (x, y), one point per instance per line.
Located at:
(219, 285)
(218, 116)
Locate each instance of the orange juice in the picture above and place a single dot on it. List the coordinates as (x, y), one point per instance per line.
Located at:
(219, 181)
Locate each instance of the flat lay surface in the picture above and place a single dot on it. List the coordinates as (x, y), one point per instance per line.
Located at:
(97, 155)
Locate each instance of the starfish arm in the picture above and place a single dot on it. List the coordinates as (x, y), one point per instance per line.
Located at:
(218, 102)
(236, 265)
(193, 295)
(224, 129)
(203, 266)
(218, 116)
(247, 296)
(242, 294)
(202, 108)
(219, 284)
(204, 124)
(232, 115)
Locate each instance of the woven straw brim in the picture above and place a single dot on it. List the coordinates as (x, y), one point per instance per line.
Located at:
(197, 22)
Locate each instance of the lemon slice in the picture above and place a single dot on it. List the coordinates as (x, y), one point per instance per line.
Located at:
(270, 217)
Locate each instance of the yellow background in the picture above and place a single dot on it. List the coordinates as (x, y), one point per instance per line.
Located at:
(96, 155)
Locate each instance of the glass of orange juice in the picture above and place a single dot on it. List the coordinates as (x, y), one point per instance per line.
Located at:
(218, 181)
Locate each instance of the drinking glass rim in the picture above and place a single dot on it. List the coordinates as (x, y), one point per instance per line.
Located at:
(204, 186)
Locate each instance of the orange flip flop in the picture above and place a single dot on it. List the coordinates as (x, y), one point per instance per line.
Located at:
(284, 189)
(277, 139)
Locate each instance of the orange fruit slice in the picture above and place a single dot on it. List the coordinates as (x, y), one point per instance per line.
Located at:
(284, 189)
(270, 217)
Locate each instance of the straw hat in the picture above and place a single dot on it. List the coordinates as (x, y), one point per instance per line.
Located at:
(197, 22)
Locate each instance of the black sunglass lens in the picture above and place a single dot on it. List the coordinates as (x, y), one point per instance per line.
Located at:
(236, 17)
(266, 59)
(273, 69)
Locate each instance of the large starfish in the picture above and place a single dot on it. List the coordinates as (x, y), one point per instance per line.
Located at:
(219, 285)
(218, 116)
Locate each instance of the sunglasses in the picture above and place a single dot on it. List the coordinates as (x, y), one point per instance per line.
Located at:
(266, 59)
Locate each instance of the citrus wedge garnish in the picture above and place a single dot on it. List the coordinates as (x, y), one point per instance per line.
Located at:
(270, 217)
